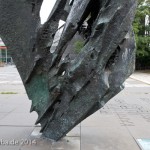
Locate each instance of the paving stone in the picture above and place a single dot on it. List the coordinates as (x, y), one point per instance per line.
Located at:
(107, 138)
(67, 143)
(10, 148)
(75, 132)
(19, 119)
(14, 136)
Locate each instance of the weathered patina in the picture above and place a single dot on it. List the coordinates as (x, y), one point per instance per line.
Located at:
(65, 91)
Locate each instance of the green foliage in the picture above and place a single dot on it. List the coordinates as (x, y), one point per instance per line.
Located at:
(78, 45)
(142, 39)
(143, 49)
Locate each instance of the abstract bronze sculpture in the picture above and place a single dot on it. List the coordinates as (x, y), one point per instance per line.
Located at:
(63, 91)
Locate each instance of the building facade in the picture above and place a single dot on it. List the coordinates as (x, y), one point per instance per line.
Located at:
(5, 57)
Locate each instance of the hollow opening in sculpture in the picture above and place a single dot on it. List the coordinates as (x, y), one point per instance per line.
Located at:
(46, 9)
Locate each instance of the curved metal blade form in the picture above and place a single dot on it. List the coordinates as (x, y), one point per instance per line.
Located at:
(64, 90)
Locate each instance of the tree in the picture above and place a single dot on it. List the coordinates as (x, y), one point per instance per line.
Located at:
(64, 92)
(142, 33)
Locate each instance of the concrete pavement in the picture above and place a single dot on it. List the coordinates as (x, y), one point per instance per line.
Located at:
(143, 76)
(116, 126)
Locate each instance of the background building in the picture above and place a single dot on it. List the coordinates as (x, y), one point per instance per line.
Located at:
(5, 57)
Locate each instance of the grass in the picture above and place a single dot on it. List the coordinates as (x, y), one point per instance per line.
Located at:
(8, 93)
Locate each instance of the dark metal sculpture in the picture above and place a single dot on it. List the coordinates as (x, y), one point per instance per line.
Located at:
(64, 92)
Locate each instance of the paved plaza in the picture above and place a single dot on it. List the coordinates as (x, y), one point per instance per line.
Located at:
(117, 126)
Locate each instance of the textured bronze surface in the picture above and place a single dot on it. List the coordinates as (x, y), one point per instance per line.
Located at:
(65, 91)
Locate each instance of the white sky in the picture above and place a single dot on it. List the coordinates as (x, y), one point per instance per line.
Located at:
(46, 9)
